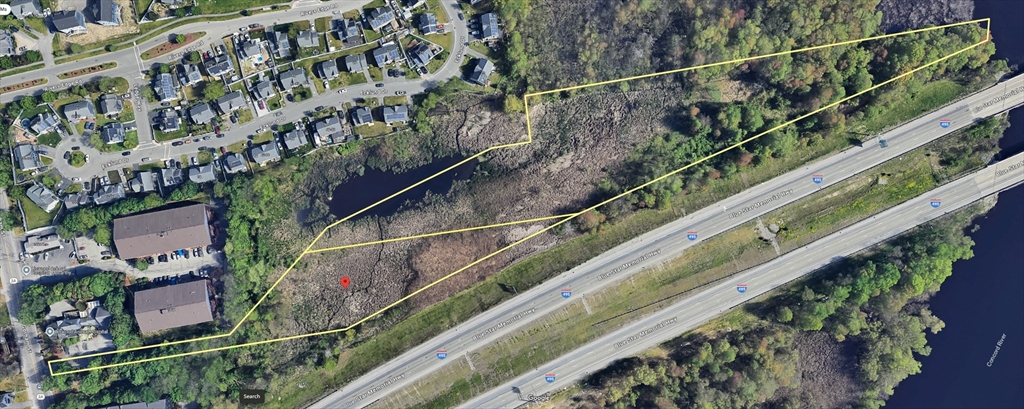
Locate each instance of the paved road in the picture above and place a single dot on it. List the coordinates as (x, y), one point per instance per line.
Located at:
(663, 244)
(687, 314)
(32, 365)
(131, 67)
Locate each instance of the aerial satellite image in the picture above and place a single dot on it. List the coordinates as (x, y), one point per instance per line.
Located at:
(484, 204)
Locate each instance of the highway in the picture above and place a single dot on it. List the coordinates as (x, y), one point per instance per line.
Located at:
(130, 67)
(687, 314)
(666, 243)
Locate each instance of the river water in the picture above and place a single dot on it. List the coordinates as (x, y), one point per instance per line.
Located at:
(977, 361)
(374, 185)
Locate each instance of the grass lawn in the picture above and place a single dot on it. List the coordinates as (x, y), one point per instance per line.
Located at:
(37, 24)
(396, 100)
(47, 161)
(485, 50)
(435, 7)
(77, 159)
(369, 131)
(234, 57)
(445, 40)
(51, 139)
(374, 4)
(171, 46)
(244, 116)
(347, 78)
(438, 61)
(169, 136)
(21, 70)
(274, 103)
(238, 147)
(35, 217)
(301, 94)
(233, 6)
(264, 137)
(204, 157)
(371, 35)
(322, 24)
(932, 95)
(376, 74)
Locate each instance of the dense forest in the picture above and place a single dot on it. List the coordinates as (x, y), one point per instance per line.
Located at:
(876, 303)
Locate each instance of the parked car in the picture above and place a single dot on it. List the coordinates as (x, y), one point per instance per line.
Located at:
(177, 143)
(319, 108)
(86, 186)
(76, 179)
(206, 138)
(71, 255)
(162, 258)
(243, 29)
(105, 253)
(194, 161)
(233, 120)
(146, 159)
(67, 155)
(379, 85)
(185, 253)
(399, 92)
(165, 104)
(209, 249)
(461, 17)
(75, 148)
(126, 153)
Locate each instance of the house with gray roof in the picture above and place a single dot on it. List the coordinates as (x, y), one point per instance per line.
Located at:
(481, 71)
(165, 88)
(250, 50)
(362, 116)
(380, 17)
(113, 133)
(172, 306)
(26, 8)
(168, 120)
(110, 105)
(107, 13)
(76, 200)
(108, 194)
(428, 23)
(219, 66)
(329, 130)
(27, 157)
(420, 55)
(345, 28)
(263, 90)
(356, 63)
(172, 2)
(231, 102)
(265, 153)
(189, 74)
(42, 197)
(79, 111)
(295, 139)
(397, 113)
(171, 176)
(201, 113)
(387, 54)
(44, 123)
(234, 163)
(6, 44)
(328, 70)
(282, 47)
(69, 22)
(293, 78)
(308, 39)
(144, 181)
(202, 173)
(489, 29)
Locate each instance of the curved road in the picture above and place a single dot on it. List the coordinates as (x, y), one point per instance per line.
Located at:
(666, 243)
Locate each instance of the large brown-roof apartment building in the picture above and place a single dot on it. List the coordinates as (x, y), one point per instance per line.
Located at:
(163, 231)
(173, 306)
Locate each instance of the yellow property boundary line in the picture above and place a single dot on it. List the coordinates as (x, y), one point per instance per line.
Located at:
(564, 218)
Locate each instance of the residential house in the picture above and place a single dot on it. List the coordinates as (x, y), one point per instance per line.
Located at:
(189, 74)
(113, 133)
(328, 70)
(6, 44)
(387, 54)
(107, 12)
(234, 163)
(173, 306)
(162, 231)
(263, 90)
(42, 197)
(81, 325)
(26, 8)
(79, 111)
(219, 66)
(44, 123)
(356, 63)
(144, 181)
(168, 120)
(202, 173)
(329, 130)
(397, 113)
(231, 102)
(171, 177)
(481, 71)
(165, 88)
(345, 28)
(428, 23)
(295, 139)
(293, 78)
(108, 194)
(380, 17)
(27, 157)
(75, 200)
(251, 51)
(308, 39)
(262, 154)
(489, 29)
(172, 3)
(69, 22)
(420, 55)
(110, 105)
(362, 116)
(411, 4)
(282, 47)
(201, 113)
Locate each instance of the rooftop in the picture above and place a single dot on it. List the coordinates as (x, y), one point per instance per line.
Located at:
(173, 306)
(162, 231)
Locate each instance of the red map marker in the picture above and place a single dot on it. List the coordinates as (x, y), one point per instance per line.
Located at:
(344, 282)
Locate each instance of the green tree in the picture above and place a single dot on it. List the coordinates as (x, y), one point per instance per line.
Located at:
(107, 84)
(514, 105)
(179, 39)
(49, 96)
(28, 102)
(180, 12)
(102, 234)
(213, 90)
(784, 314)
(76, 48)
(141, 264)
